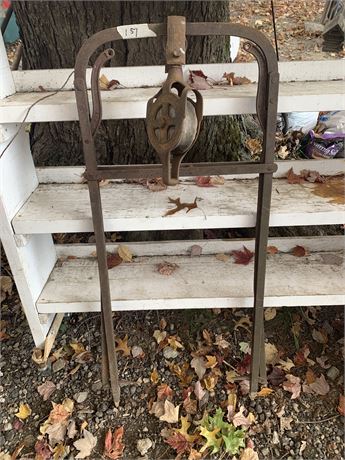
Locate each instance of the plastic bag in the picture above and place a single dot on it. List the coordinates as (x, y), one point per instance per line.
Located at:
(334, 121)
(301, 121)
(327, 145)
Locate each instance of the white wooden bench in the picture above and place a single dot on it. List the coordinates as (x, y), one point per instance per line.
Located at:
(36, 202)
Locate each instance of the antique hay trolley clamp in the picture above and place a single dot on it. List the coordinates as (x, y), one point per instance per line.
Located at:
(173, 123)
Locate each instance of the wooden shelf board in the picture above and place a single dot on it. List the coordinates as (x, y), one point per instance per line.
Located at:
(198, 282)
(55, 208)
(131, 102)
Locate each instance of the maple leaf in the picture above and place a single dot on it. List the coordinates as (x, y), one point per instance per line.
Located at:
(85, 445)
(164, 391)
(24, 411)
(46, 389)
(293, 385)
(113, 445)
(178, 442)
(56, 432)
(190, 405)
(122, 345)
(113, 260)
(61, 412)
(170, 412)
(203, 181)
(243, 257)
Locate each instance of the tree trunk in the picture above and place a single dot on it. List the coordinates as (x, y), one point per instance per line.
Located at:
(53, 32)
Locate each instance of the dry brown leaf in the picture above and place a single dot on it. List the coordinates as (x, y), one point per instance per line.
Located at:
(293, 385)
(199, 391)
(164, 392)
(154, 377)
(270, 313)
(156, 184)
(180, 206)
(271, 353)
(249, 454)
(122, 345)
(6, 285)
(233, 80)
(166, 268)
(171, 413)
(243, 322)
(125, 253)
(173, 341)
(299, 251)
(222, 257)
(77, 347)
(272, 250)
(159, 335)
(113, 444)
(220, 342)
(46, 389)
(293, 178)
(198, 80)
(190, 405)
(207, 336)
(320, 386)
(85, 445)
(157, 408)
(264, 392)
(203, 181)
(199, 365)
(254, 146)
(310, 376)
(56, 433)
(320, 336)
(211, 362)
(341, 405)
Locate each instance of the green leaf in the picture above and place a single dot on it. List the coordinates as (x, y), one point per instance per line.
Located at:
(233, 440)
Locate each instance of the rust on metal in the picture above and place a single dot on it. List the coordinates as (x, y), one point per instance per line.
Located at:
(173, 124)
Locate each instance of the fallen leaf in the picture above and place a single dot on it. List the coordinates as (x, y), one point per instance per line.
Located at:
(178, 442)
(286, 365)
(198, 80)
(199, 391)
(276, 376)
(157, 409)
(195, 250)
(243, 367)
(271, 353)
(156, 184)
(185, 424)
(220, 342)
(240, 420)
(265, 392)
(217, 180)
(125, 253)
(245, 347)
(270, 313)
(293, 385)
(166, 268)
(164, 391)
(320, 336)
(341, 405)
(211, 362)
(222, 257)
(71, 429)
(285, 423)
(244, 387)
(243, 257)
(122, 345)
(322, 362)
(113, 260)
(56, 433)
(77, 347)
(210, 381)
(85, 445)
(244, 322)
(180, 206)
(42, 450)
(299, 251)
(113, 445)
(283, 152)
(254, 146)
(293, 178)
(233, 81)
(171, 413)
(249, 454)
(310, 376)
(272, 250)
(174, 343)
(46, 389)
(199, 365)
(6, 286)
(190, 405)
(159, 335)
(154, 377)
(61, 412)
(320, 386)
(24, 411)
(137, 352)
(203, 181)
(60, 452)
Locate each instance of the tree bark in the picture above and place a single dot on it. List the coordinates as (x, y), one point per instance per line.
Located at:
(53, 32)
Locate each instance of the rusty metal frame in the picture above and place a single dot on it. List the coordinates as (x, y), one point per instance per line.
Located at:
(266, 103)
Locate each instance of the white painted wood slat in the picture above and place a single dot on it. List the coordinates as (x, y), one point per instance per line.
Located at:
(65, 207)
(132, 77)
(131, 103)
(198, 282)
